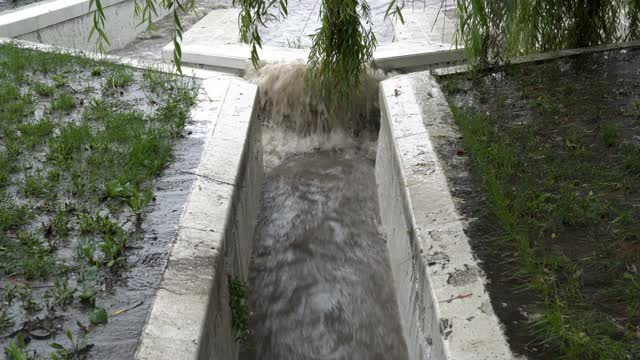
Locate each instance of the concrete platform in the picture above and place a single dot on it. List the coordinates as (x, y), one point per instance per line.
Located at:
(67, 23)
(213, 42)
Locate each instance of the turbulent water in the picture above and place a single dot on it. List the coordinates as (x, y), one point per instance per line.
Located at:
(320, 279)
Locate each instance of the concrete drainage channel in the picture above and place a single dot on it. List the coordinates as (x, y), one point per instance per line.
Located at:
(445, 311)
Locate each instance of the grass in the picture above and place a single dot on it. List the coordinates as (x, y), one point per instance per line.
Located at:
(240, 313)
(119, 78)
(62, 148)
(64, 102)
(547, 184)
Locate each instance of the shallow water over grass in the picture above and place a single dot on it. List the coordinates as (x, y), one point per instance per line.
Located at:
(85, 217)
(555, 148)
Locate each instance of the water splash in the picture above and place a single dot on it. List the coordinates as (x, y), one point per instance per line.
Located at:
(320, 279)
(287, 102)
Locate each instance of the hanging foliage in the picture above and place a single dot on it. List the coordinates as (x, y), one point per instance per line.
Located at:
(341, 50)
(493, 31)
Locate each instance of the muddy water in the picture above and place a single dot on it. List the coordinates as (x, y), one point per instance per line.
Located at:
(321, 285)
(320, 280)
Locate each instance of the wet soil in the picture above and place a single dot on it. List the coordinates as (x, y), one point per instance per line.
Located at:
(125, 293)
(575, 125)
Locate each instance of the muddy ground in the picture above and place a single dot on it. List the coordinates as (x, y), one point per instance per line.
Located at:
(34, 306)
(570, 131)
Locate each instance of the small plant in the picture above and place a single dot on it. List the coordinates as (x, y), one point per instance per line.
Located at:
(113, 249)
(138, 201)
(96, 71)
(7, 296)
(12, 216)
(120, 78)
(88, 297)
(99, 317)
(610, 135)
(65, 102)
(59, 80)
(115, 189)
(61, 292)
(240, 313)
(43, 89)
(60, 224)
(25, 295)
(87, 251)
(17, 350)
(34, 185)
(79, 347)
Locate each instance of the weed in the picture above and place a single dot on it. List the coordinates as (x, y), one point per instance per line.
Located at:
(119, 78)
(60, 224)
(138, 201)
(99, 316)
(88, 297)
(96, 71)
(79, 346)
(59, 80)
(43, 89)
(545, 104)
(64, 102)
(35, 185)
(17, 350)
(8, 166)
(610, 135)
(113, 248)
(87, 251)
(33, 134)
(12, 216)
(7, 295)
(240, 314)
(61, 293)
(25, 295)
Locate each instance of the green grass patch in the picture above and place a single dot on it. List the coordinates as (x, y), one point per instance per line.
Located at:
(43, 89)
(64, 102)
(119, 78)
(78, 165)
(546, 191)
(561, 178)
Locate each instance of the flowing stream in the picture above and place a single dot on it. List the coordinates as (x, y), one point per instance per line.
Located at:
(320, 280)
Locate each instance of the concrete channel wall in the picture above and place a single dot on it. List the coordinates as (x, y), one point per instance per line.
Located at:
(444, 306)
(67, 23)
(191, 317)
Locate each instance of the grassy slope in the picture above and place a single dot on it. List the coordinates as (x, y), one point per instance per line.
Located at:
(566, 196)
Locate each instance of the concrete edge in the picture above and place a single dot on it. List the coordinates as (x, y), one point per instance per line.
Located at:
(443, 301)
(190, 317)
(546, 56)
(32, 17)
(402, 55)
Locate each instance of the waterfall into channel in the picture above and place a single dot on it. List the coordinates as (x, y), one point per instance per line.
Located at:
(320, 280)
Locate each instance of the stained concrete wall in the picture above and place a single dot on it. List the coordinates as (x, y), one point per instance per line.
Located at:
(67, 23)
(444, 305)
(191, 317)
